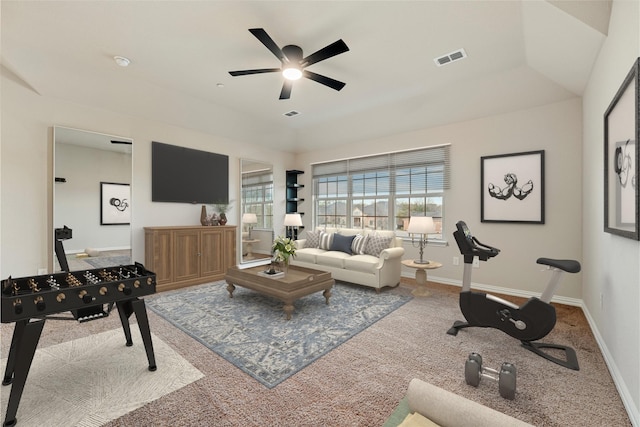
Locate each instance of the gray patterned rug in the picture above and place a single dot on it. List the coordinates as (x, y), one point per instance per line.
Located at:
(111, 261)
(251, 331)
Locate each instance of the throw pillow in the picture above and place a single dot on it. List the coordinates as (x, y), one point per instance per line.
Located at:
(342, 243)
(376, 244)
(357, 246)
(313, 239)
(325, 241)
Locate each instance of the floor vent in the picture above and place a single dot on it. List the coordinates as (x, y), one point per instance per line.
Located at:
(291, 113)
(450, 57)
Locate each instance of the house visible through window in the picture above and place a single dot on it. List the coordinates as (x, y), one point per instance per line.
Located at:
(382, 192)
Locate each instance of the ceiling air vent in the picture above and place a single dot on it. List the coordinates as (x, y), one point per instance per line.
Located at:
(291, 113)
(450, 57)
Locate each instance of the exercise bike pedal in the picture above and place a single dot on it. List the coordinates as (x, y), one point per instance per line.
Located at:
(506, 376)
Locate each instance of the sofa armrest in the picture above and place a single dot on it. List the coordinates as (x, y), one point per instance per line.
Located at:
(391, 253)
(299, 244)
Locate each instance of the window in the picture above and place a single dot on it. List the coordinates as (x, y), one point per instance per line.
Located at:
(382, 192)
(257, 197)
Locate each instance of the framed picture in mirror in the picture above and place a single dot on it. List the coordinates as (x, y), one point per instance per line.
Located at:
(115, 203)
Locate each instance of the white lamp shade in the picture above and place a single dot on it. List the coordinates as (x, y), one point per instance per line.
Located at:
(249, 218)
(421, 225)
(293, 220)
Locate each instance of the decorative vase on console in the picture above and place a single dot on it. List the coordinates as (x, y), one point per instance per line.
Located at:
(204, 220)
(223, 219)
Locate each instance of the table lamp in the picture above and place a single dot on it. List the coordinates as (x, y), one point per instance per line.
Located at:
(422, 225)
(249, 219)
(291, 222)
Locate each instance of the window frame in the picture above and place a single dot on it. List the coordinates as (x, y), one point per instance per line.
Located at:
(377, 179)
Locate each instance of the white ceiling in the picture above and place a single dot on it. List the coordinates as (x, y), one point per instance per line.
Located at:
(521, 54)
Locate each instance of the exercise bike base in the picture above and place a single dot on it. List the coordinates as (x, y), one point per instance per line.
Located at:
(571, 361)
(457, 325)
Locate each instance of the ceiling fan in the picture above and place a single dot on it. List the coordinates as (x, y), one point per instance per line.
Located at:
(293, 64)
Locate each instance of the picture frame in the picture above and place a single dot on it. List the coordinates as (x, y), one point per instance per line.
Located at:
(622, 159)
(115, 203)
(512, 188)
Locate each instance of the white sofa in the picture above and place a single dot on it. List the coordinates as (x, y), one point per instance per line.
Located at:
(375, 263)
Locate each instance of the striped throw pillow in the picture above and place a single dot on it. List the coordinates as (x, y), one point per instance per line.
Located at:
(325, 241)
(358, 244)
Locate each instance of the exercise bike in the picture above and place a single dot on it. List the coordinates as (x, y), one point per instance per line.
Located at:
(529, 322)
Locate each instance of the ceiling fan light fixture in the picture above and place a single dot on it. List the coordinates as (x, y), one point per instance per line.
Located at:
(292, 72)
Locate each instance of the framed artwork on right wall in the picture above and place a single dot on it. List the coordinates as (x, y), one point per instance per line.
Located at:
(622, 159)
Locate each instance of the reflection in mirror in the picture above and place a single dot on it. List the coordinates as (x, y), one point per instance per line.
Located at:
(256, 210)
(91, 200)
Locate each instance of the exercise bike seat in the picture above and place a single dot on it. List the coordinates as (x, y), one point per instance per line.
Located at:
(568, 265)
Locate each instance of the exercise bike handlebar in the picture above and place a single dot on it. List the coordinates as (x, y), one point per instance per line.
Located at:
(470, 246)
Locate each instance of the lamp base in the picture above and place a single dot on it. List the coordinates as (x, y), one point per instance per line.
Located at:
(421, 261)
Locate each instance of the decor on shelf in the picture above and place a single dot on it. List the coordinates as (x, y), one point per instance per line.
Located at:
(115, 203)
(422, 225)
(284, 249)
(206, 219)
(622, 159)
(221, 210)
(292, 221)
(512, 188)
(249, 219)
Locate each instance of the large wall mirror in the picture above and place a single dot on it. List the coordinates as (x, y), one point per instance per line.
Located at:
(256, 211)
(91, 199)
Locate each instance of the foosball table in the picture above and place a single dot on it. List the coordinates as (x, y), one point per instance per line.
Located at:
(87, 295)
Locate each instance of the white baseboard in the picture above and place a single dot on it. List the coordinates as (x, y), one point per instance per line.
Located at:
(627, 400)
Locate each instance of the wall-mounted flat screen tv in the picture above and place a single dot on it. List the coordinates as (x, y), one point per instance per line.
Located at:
(185, 175)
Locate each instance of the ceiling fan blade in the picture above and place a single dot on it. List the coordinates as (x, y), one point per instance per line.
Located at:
(266, 40)
(335, 48)
(327, 81)
(286, 89)
(258, 71)
(113, 141)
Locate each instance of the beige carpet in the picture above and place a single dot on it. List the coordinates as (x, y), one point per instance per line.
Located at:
(89, 381)
(361, 382)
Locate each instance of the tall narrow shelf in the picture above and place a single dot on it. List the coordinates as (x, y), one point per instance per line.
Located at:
(293, 198)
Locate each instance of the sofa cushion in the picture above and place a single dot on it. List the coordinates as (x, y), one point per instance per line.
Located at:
(332, 259)
(308, 254)
(325, 240)
(313, 239)
(342, 243)
(357, 246)
(362, 263)
(376, 243)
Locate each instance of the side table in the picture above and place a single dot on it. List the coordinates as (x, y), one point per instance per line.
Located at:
(249, 247)
(421, 275)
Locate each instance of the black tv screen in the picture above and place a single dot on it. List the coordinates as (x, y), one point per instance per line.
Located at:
(185, 175)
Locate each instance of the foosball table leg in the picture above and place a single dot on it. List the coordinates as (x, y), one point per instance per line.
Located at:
(137, 306)
(23, 347)
(140, 309)
(125, 310)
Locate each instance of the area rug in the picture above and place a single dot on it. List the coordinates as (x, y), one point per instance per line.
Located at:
(90, 381)
(251, 331)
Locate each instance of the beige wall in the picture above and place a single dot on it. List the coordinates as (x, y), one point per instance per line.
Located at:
(611, 275)
(26, 173)
(554, 128)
